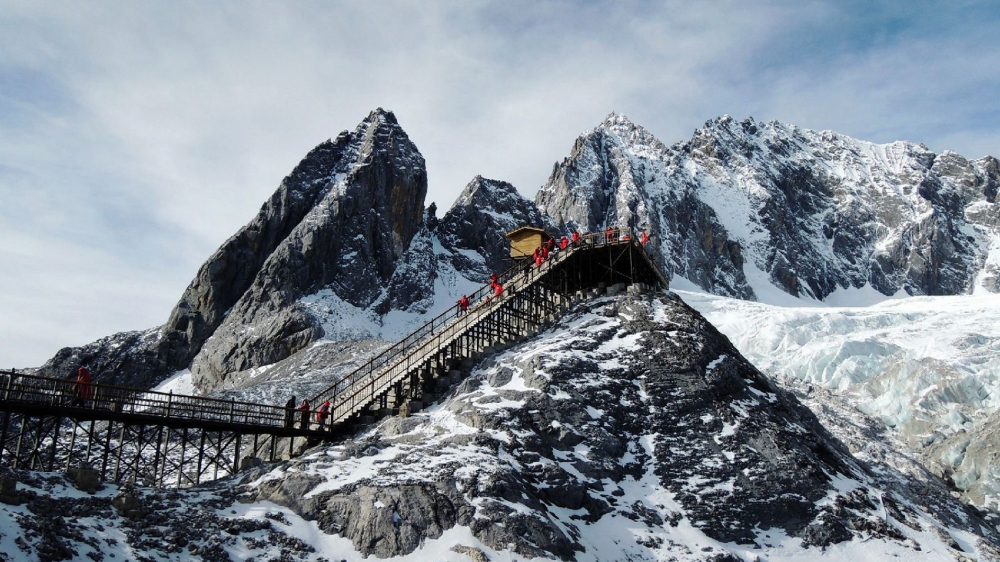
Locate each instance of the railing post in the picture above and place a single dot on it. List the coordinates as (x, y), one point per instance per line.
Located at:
(232, 409)
(170, 402)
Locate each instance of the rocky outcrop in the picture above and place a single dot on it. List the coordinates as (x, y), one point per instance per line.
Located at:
(620, 174)
(126, 358)
(482, 215)
(368, 209)
(632, 430)
(340, 221)
(813, 211)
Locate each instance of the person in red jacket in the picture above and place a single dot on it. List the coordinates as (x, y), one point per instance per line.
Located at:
(497, 290)
(322, 414)
(538, 260)
(545, 253)
(608, 233)
(493, 278)
(564, 243)
(81, 388)
(645, 237)
(463, 304)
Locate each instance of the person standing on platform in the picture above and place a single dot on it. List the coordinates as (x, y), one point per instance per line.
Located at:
(290, 413)
(645, 237)
(304, 414)
(322, 414)
(576, 238)
(563, 244)
(81, 388)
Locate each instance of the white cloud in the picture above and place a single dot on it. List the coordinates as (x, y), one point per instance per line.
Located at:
(136, 137)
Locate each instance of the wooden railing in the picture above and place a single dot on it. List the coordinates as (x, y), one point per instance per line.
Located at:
(33, 390)
(368, 381)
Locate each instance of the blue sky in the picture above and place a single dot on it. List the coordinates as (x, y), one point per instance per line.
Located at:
(136, 137)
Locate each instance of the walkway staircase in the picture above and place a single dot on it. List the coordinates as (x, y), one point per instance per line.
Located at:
(160, 439)
(405, 375)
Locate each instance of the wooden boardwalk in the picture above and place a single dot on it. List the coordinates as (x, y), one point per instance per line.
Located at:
(166, 439)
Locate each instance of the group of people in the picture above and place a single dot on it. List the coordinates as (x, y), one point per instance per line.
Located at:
(322, 414)
(541, 253)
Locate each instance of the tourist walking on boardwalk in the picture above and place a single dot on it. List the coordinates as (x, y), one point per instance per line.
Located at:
(81, 388)
(290, 412)
(322, 414)
(304, 414)
(463, 304)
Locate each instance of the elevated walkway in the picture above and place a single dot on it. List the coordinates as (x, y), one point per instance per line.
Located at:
(166, 439)
(406, 375)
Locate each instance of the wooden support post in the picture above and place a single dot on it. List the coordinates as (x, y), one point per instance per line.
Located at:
(107, 450)
(201, 456)
(236, 452)
(180, 465)
(3, 434)
(121, 447)
(90, 442)
(156, 456)
(50, 465)
(163, 459)
(20, 440)
(72, 444)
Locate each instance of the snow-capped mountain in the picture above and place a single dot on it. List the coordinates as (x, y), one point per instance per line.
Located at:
(630, 430)
(633, 430)
(341, 252)
(744, 207)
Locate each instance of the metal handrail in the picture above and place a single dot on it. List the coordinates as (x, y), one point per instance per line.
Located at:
(360, 387)
(365, 382)
(24, 388)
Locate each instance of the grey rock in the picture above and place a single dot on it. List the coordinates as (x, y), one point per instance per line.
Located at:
(369, 209)
(815, 211)
(480, 218)
(85, 478)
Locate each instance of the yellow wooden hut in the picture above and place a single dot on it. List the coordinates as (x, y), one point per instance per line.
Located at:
(524, 240)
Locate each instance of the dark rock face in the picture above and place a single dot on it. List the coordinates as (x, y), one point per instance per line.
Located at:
(813, 211)
(349, 241)
(603, 182)
(341, 220)
(478, 221)
(126, 358)
(632, 415)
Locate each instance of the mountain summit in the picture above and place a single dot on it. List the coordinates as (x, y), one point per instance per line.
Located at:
(340, 220)
(743, 208)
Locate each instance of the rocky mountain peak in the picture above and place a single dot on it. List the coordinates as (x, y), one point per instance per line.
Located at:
(339, 221)
(479, 220)
(745, 207)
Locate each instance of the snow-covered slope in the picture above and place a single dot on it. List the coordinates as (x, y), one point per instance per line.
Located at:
(631, 430)
(927, 367)
(744, 207)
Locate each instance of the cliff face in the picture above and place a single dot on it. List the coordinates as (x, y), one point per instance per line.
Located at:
(744, 207)
(340, 221)
(480, 218)
(366, 205)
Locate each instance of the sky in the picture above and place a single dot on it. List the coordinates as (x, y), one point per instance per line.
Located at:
(136, 137)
